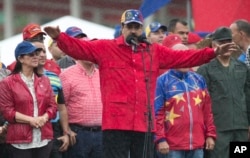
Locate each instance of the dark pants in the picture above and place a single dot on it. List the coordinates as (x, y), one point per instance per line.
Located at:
(222, 143)
(88, 143)
(55, 153)
(3, 150)
(197, 153)
(124, 144)
(42, 152)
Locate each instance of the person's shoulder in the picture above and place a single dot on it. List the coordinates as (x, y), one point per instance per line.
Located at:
(195, 74)
(4, 73)
(50, 73)
(212, 63)
(68, 70)
(52, 66)
(165, 75)
(66, 62)
(53, 78)
(238, 62)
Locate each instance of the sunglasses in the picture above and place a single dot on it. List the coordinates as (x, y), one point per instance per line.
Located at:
(36, 53)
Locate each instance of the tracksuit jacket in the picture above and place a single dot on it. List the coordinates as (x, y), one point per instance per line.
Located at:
(183, 110)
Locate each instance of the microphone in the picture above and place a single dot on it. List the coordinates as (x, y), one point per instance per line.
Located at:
(131, 40)
(143, 39)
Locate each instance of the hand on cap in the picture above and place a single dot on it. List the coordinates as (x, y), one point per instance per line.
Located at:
(53, 32)
(224, 48)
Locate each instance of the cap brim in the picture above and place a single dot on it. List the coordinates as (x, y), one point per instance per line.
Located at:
(37, 34)
(222, 39)
(31, 50)
(78, 34)
(161, 27)
(136, 21)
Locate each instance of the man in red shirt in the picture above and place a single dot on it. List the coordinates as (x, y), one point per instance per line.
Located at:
(128, 72)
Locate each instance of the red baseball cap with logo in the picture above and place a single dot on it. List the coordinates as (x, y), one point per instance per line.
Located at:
(32, 30)
(171, 40)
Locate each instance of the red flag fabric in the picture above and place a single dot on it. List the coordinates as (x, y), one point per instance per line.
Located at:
(210, 14)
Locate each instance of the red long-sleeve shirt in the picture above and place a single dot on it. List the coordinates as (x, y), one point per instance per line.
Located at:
(123, 73)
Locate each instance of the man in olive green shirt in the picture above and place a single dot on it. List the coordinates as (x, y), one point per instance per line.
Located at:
(228, 82)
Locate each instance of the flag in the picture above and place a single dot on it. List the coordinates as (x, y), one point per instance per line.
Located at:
(211, 14)
(148, 7)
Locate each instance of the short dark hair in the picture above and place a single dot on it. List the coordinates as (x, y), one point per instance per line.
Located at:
(172, 24)
(243, 25)
(37, 38)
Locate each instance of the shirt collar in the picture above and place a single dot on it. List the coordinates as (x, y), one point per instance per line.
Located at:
(84, 70)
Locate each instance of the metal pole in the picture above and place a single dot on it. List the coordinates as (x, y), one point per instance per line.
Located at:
(8, 18)
(189, 15)
(75, 8)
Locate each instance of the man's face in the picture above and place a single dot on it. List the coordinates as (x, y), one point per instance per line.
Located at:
(158, 36)
(132, 28)
(216, 43)
(236, 35)
(55, 51)
(42, 53)
(37, 38)
(182, 31)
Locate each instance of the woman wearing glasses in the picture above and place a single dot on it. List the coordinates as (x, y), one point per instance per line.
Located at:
(27, 103)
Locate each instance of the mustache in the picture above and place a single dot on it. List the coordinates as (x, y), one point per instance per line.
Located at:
(133, 35)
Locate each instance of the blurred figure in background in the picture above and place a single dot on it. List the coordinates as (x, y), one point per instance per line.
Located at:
(179, 27)
(156, 32)
(3, 123)
(241, 36)
(68, 61)
(60, 123)
(193, 39)
(117, 32)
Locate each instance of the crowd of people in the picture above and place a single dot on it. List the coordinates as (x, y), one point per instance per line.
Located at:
(158, 92)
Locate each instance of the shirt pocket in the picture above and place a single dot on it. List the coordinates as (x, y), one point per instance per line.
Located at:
(240, 78)
(118, 104)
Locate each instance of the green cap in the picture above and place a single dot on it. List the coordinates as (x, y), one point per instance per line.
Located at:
(222, 33)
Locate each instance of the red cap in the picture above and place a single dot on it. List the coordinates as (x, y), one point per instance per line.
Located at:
(32, 30)
(193, 38)
(171, 40)
(52, 66)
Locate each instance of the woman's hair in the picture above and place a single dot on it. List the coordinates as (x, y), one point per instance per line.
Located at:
(18, 68)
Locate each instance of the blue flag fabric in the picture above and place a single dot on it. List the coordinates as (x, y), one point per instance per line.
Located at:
(148, 7)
